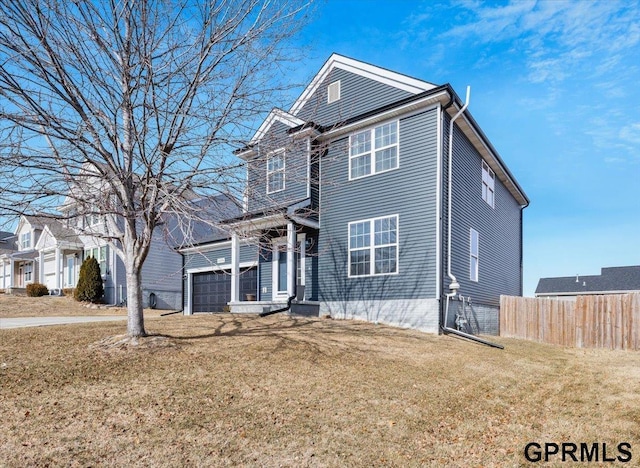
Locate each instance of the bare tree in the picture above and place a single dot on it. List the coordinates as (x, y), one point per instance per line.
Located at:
(128, 109)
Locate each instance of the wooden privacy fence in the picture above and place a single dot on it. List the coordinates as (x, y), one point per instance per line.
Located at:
(611, 321)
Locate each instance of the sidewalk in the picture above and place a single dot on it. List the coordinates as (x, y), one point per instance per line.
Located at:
(20, 322)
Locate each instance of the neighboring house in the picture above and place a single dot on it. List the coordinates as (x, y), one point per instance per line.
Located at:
(51, 251)
(612, 280)
(347, 196)
(7, 247)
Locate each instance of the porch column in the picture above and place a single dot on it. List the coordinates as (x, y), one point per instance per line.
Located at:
(235, 268)
(291, 259)
(41, 267)
(12, 267)
(57, 268)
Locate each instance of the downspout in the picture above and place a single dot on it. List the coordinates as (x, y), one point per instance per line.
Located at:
(454, 286)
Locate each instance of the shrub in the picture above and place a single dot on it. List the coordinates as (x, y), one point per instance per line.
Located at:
(68, 291)
(36, 290)
(89, 287)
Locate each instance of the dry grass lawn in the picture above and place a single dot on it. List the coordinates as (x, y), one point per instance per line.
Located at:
(21, 306)
(228, 390)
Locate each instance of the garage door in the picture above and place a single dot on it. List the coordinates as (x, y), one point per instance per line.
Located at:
(212, 289)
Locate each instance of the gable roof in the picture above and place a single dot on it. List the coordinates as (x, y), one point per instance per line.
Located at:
(423, 94)
(382, 75)
(61, 233)
(276, 115)
(612, 279)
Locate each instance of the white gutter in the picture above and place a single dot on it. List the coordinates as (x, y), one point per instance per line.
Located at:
(454, 286)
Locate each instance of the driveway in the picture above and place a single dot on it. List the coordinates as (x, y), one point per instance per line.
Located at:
(20, 322)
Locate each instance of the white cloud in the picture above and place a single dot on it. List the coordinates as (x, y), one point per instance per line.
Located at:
(558, 39)
(631, 133)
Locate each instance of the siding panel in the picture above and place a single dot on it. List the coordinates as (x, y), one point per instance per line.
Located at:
(498, 228)
(358, 95)
(408, 191)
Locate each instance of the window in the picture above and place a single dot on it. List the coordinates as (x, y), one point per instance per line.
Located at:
(100, 254)
(25, 240)
(275, 171)
(373, 247)
(333, 92)
(488, 184)
(71, 271)
(373, 151)
(474, 241)
(28, 272)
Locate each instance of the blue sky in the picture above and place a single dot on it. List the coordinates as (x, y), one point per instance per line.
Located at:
(555, 85)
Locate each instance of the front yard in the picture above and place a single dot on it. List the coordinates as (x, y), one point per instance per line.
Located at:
(229, 390)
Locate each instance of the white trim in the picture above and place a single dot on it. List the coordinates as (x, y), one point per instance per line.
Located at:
(474, 275)
(275, 270)
(373, 149)
(401, 112)
(281, 153)
(301, 239)
(439, 201)
(333, 92)
(291, 258)
(235, 268)
(192, 271)
(209, 247)
(308, 167)
(275, 115)
(489, 156)
(372, 246)
(488, 181)
(366, 70)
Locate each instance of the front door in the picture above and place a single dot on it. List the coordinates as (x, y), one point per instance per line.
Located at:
(280, 265)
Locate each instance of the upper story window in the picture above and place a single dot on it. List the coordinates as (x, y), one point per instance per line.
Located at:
(374, 150)
(333, 92)
(488, 184)
(275, 171)
(474, 254)
(25, 240)
(373, 246)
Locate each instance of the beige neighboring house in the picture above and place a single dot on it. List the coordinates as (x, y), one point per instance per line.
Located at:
(44, 251)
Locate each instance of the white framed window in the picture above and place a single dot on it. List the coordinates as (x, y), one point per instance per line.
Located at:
(333, 92)
(374, 150)
(71, 271)
(275, 171)
(373, 247)
(28, 272)
(474, 257)
(25, 240)
(100, 254)
(488, 184)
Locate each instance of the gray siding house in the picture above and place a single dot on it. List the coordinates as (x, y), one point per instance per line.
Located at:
(611, 280)
(348, 195)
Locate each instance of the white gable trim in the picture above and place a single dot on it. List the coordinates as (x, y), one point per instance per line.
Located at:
(279, 116)
(366, 70)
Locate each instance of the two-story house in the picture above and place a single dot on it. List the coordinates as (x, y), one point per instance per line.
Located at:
(50, 251)
(349, 194)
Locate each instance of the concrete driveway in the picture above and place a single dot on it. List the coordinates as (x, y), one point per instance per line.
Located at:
(20, 322)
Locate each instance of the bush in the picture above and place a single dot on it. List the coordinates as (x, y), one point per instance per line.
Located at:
(89, 287)
(68, 292)
(36, 290)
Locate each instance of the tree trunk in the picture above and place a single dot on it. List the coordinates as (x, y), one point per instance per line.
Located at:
(135, 317)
